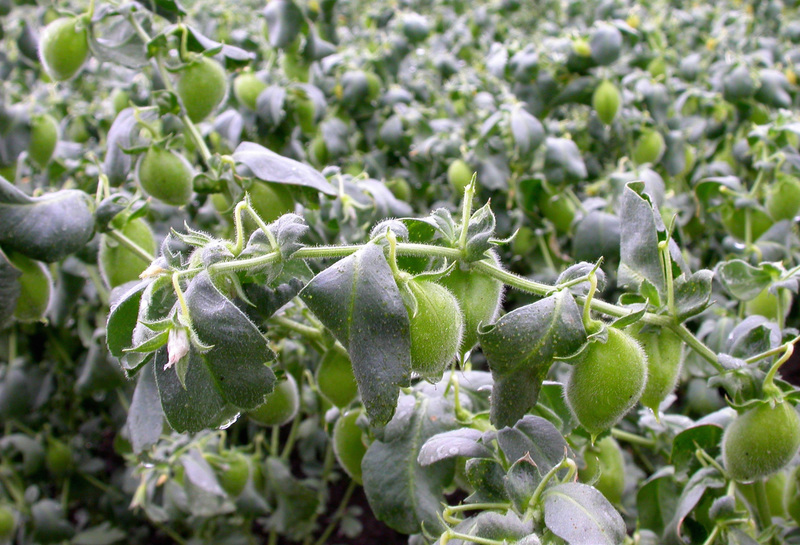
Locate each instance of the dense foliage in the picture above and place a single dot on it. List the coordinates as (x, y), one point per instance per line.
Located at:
(493, 272)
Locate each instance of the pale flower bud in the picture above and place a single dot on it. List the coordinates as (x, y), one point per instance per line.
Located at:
(177, 346)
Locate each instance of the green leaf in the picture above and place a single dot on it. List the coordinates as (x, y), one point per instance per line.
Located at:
(240, 352)
(15, 133)
(124, 134)
(527, 131)
(156, 303)
(563, 162)
(692, 293)
(50, 523)
(358, 300)
(114, 39)
(752, 336)
(271, 106)
(639, 254)
(744, 281)
(461, 442)
(520, 348)
(102, 534)
(401, 492)
(151, 344)
(204, 495)
(98, 373)
(122, 317)
(686, 443)
(46, 228)
(507, 528)
(284, 22)
(488, 479)
(297, 501)
(9, 289)
(268, 166)
(145, 417)
(200, 472)
(535, 438)
(656, 500)
(581, 515)
(691, 495)
(479, 230)
(521, 482)
(597, 235)
(198, 406)
(235, 57)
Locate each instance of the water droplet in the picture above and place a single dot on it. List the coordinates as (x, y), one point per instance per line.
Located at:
(230, 422)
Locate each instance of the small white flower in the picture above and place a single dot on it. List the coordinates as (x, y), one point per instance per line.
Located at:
(152, 270)
(177, 346)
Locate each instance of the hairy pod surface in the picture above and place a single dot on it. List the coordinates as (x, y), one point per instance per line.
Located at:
(607, 382)
(166, 176)
(604, 462)
(479, 297)
(117, 263)
(348, 445)
(280, 406)
(761, 441)
(64, 47)
(201, 87)
(44, 138)
(606, 101)
(664, 350)
(435, 328)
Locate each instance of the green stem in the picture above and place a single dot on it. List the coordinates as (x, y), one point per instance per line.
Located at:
(450, 509)
(762, 504)
(427, 250)
(537, 493)
(238, 228)
(769, 385)
(748, 228)
(772, 352)
(399, 276)
(694, 343)
(99, 286)
(548, 259)
(275, 440)
(513, 280)
(712, 536)
(459, 411)
(195, 135)
(131, 245)
(176, 285)
(451, 534)
(632, 438)
(304, 330)
(340, 511)
(587, 303)
(15, 491)
(707, 460)
(490, 269)
(184, 51)
(111, 491)
(287, 448)
(173, 535)
(244, 264)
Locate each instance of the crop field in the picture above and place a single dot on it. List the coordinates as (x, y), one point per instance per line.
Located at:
(430, 272)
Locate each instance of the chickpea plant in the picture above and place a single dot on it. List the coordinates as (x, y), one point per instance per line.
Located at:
(489, 274)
